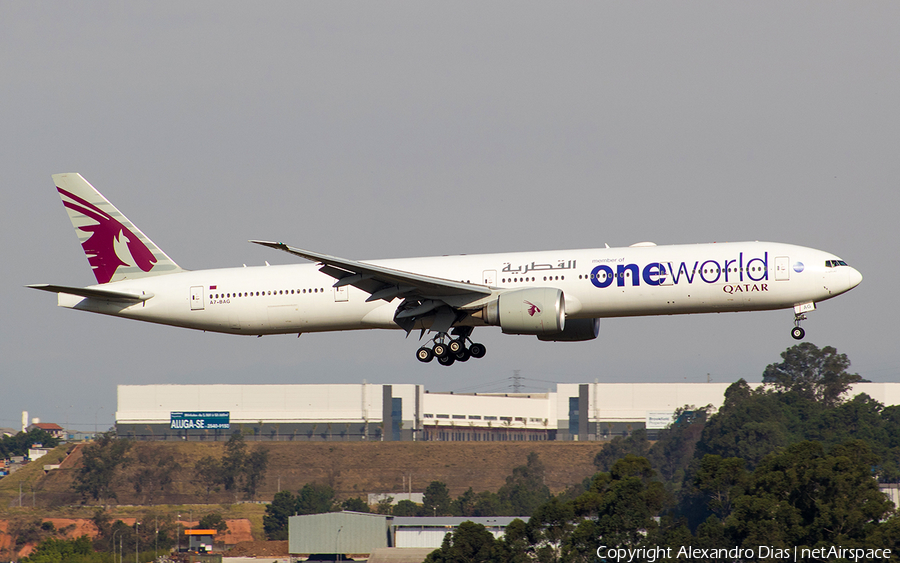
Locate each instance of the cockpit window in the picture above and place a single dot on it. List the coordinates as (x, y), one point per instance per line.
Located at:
(834, 263)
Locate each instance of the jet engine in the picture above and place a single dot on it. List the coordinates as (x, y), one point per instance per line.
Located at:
(577, 330)
(539, 310)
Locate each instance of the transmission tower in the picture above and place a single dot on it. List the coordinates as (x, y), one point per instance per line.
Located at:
(517, 381)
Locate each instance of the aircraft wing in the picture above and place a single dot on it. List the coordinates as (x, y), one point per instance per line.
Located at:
(374, 279)
(93, 293)
(424, 296)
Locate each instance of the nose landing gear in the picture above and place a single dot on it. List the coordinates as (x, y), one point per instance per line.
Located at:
(798, 333)
(800, 311)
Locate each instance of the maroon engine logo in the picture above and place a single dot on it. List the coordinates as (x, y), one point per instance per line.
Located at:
(532, 308)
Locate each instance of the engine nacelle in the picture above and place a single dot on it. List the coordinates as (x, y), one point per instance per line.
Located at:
(577, 330)
(539, 310)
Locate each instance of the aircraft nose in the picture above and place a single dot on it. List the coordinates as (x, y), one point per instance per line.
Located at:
(854, 277)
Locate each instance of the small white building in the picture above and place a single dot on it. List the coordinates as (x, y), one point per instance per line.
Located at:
(375, 498)
(37, 452)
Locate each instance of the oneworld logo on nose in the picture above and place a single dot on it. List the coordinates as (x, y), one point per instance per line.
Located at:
(734, 270)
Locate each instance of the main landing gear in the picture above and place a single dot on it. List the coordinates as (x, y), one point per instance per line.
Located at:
(451, 349)
(798, 333)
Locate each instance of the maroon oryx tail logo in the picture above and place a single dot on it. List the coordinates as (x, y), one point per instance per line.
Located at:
(100, 246)
(532, 308)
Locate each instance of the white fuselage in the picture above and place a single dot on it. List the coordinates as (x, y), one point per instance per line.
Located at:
(600, 282)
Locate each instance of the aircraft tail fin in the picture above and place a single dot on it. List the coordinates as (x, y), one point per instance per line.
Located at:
(115, 248)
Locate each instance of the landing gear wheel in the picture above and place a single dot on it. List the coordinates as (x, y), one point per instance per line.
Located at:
(456, 346)
(797, 333)
(446, 360)
(477, 350)
(463, 355)
(424, 355)
(440, 350)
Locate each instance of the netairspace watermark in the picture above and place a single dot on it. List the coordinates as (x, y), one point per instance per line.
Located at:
(653, 554)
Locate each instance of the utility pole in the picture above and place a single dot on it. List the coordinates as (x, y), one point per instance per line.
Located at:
(114, 544)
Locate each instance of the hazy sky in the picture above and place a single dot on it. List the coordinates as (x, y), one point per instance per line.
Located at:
(381, 129)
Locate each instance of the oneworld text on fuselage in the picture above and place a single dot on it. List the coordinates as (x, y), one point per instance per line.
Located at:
(739, 269)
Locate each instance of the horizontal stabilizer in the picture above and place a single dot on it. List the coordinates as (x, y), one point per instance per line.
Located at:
(93, 293)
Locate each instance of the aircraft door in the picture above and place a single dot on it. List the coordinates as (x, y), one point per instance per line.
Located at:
(340, 294)
(197, 299)
(782, 268)
(489, 277)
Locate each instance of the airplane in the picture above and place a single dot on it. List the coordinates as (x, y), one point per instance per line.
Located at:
(558, 296)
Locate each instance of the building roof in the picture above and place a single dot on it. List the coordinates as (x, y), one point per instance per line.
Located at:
(452, 521)
(48, 426)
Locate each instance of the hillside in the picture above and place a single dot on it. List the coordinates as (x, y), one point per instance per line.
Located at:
(351, 468)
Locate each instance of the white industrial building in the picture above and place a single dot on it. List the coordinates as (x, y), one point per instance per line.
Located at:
(429, 531)
(357, 533)
(353, 412)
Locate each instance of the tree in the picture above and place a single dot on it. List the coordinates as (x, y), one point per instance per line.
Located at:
(623, 503)
(315, 499)
(385, 505)
(721, 480)
(100, 461)
(525, 490)
(255, 471)
(675, 446)
(487, 504)
(436, 500)
(469, 543)
(514, 547)
(805, 496)
(581, 545)
(550, 524)
(53, 550)
(233, 462)
(818, 375)
(240, 470)
(407, 508)
(156, 468)
(749, 425)
(21, 442)
(213, 521)
(207, 475)
(635, 443)
(275, 520)
(464, 505)
(355, 504)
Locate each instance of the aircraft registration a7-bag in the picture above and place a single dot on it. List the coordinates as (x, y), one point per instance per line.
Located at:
(558, 296)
